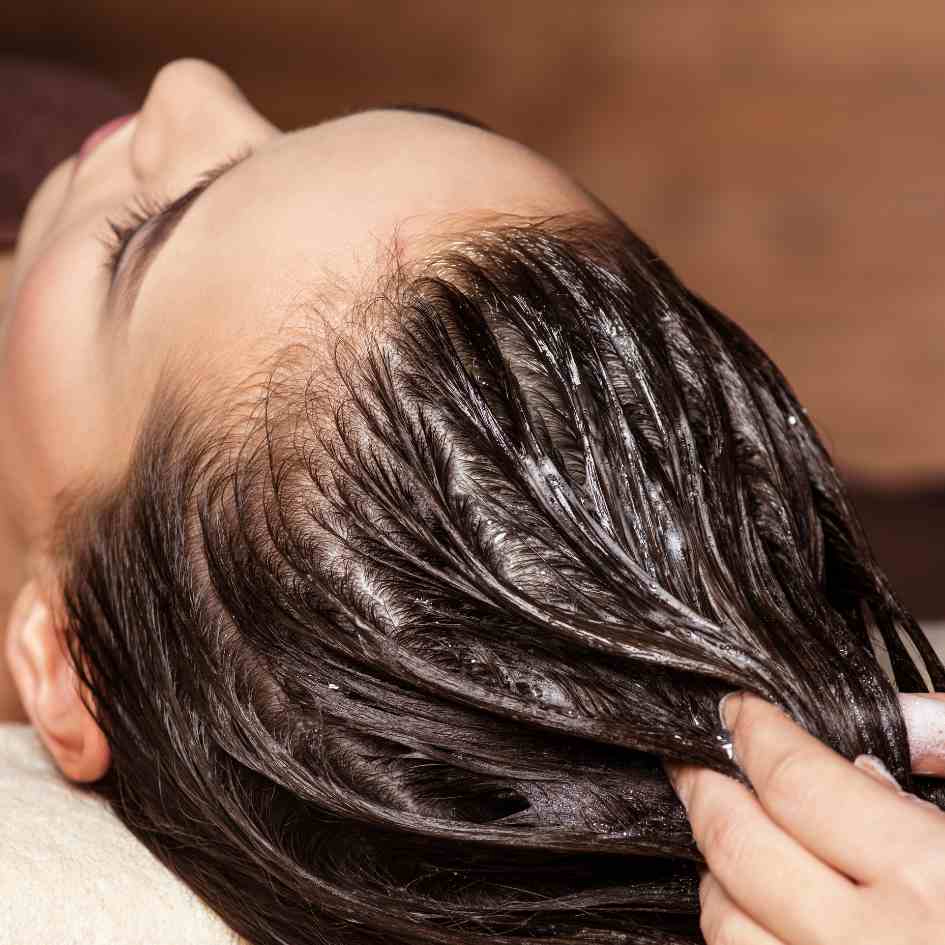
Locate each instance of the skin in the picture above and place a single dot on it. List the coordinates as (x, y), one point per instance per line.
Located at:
(317, 207)
(824, 850)
(11, 709)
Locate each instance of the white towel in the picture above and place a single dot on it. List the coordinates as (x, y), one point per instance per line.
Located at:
(72, 874)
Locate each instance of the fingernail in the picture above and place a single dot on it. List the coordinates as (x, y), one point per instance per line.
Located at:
(729, 706)
(871, 765)
(677, 781)
(728, 712)
(925, 724)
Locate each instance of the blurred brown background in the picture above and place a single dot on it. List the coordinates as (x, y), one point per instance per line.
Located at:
(787, 158)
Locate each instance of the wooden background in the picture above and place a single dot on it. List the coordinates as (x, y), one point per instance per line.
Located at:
(787, 158)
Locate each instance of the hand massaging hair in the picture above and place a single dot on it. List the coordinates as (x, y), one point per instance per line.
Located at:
(397, 659)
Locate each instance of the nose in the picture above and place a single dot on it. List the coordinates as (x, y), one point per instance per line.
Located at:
(194, 114)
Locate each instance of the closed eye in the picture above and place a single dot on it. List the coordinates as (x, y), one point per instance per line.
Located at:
(155, 220)
(143, 209)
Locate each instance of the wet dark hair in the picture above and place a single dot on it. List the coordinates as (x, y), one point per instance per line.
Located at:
(400, 664)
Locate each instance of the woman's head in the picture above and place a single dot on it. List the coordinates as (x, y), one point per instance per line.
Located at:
(387, 622)
(305, 212)
(204, 294)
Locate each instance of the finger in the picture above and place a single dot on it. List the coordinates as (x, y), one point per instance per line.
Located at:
(723, 923)
(766, 873)
(924, 714)
(872, 766)
(841, 815)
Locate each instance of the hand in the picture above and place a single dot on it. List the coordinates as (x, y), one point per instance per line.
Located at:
(825, 851)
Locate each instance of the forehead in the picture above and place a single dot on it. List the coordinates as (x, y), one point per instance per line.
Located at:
(319, 206)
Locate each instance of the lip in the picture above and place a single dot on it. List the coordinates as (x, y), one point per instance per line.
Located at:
(100, 134)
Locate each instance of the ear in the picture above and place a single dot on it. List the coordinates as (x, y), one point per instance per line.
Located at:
(50, 689)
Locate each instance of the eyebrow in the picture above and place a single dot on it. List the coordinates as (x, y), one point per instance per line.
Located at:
(140, 256)
(450, 113)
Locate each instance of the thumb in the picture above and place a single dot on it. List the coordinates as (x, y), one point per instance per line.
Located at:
(924, 714)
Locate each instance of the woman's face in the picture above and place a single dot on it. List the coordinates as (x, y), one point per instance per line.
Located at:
(80, 352)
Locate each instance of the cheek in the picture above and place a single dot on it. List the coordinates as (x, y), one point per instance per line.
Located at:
(50, 408)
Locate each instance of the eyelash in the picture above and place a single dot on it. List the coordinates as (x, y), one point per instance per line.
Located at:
(134, 216)
(144, 208)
